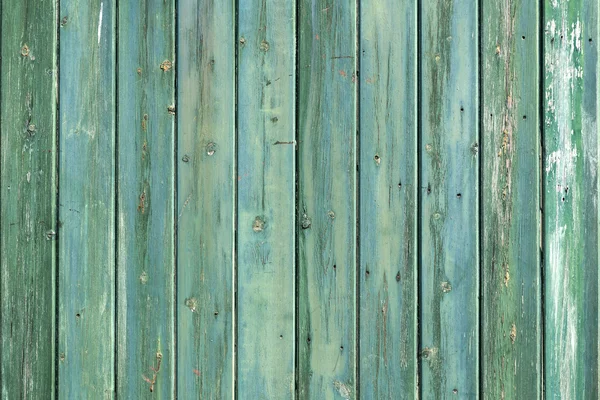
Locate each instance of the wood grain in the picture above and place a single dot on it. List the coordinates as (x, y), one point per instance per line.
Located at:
(327, 181)
(205, 198)
(27, 198)
(449, 164)
(86, 233)
(266, 199)
(145, 191)
(511, 190)
(388, 199)
(570, 177)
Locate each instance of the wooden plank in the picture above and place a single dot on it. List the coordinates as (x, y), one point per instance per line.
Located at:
(327, 344)
(205, 198)
(511, 227)
(449, 200)
(266, 199)
(570, 198)
(86, 233)
(388, 195)
(145, 190)
(28, 201)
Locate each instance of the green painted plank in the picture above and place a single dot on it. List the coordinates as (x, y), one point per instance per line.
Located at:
(327, 343)
(266, 199)
(449, 305)
(145, 313)
(28, 201)
(511, 227)
(388, 195)
(86, 233)
(570, 199)
(205, 198)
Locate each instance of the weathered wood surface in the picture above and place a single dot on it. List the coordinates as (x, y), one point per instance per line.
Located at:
(145, 191)
(86, 186)
(327, 180)
(299, 199)
(266, 199)
(570, 177)
(388, 199)
(449, 162)
(511, 340)
(205, 198)
(27, 198)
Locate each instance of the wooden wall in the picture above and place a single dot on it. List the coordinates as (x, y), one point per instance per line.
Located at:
(299, 199)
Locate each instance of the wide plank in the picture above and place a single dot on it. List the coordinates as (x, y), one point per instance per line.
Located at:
(266, 145)
(388, 199)
(145, 195)
(570, 198)
(86, 185)
(327, 207)
(449, 200)
(511, 275)
(205, 198)
(28, 198)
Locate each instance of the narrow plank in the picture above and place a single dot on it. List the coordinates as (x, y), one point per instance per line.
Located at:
(388, 195)
(449, 200)
(266, 199)
(86, 234)
(145, 190)
(28, 201)
(511, 227)
(570, 199)
(327, 343)
(205, 198)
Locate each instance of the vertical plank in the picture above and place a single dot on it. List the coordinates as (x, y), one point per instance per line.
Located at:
(570, 199)
(266, 199)
(205, 198)
(449, 199)
(388, 191)
(145, 257)
(28, 201)
(511, 231)
(327, 342)
(86, 233)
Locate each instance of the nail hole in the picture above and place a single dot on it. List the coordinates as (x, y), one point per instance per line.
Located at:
(342, 348)
(400, 185)
(590, 40)
(462, 109)
(523, 37)
(455, 391)
(78, 315)
(367, 272)
(308, 339)
(458, 195)
(280, 336)
(334, 266)
(216, 313)
(524, 116)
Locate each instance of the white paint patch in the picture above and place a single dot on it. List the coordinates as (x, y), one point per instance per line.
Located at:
(100, 22)
(342, 389)
(564, 74)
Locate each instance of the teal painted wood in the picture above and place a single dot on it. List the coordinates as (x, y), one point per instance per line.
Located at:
(388, 199)
(145, 190)
(28, 201)
(570, 199)
(86, 233)
(266, 199)
(205, 198)
(449, 200)
(511, 282)
(327, 343)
